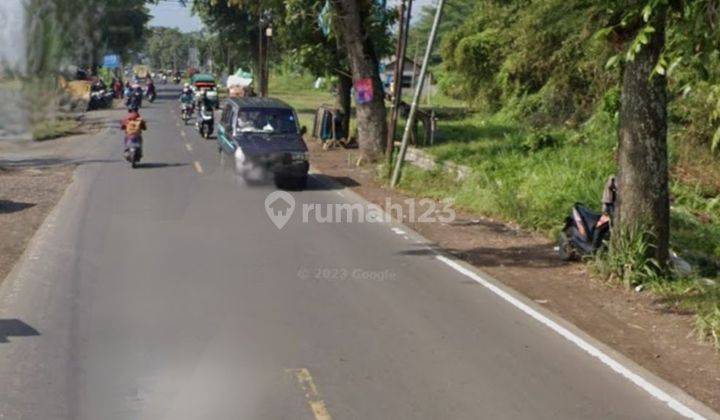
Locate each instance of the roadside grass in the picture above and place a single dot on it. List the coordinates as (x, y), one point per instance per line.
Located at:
(297, 90)
(518, 176)
(700, 297)
(512, 179)
(532, 177)
(10, 83)
(55, 128)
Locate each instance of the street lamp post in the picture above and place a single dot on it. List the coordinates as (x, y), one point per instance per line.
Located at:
(266, 78)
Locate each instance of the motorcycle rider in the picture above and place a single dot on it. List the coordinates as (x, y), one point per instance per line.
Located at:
(133, 125)
(203, 103)
(134, 98)
(150, 88)
(187, 99)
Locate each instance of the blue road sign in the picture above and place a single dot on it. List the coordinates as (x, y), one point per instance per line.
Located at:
(111, 61)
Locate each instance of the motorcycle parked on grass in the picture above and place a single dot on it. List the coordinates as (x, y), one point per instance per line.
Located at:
(585, 232)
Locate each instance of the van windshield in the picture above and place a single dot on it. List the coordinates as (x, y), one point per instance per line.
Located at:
(269, 121)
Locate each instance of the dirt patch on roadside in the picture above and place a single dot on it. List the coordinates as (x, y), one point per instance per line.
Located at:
(26, 197)
(635, 324)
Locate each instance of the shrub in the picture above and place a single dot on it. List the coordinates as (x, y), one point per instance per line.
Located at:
(626, 259)
(539, 141)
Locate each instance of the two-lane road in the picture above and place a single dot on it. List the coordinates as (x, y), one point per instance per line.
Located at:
(166, 292)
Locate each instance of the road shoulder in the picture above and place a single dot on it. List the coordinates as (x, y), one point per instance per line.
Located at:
(33, 178)
(636, 325)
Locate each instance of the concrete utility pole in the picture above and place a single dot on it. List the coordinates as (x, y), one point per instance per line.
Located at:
(404, 30)
(416, 98)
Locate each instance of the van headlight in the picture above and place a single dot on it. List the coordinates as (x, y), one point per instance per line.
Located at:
(299, 156)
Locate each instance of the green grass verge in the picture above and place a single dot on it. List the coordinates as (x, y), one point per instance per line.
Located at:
(52, 129)
(533, 177)
(297, 90)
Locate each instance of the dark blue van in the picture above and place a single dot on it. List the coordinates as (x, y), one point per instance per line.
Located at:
(264, 138)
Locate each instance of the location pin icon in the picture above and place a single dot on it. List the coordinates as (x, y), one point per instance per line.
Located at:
(280, 206)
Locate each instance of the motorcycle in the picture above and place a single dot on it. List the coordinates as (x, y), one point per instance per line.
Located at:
(206, 122)
(133, 152)
(585, 231)
(150, 93)
(100, 99)
(134, 101)
(176, 79)
(186, 112)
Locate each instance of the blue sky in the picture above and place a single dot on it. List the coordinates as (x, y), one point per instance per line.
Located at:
(171, 14)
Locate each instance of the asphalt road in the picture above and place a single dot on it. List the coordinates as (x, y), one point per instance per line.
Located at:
(166, 292)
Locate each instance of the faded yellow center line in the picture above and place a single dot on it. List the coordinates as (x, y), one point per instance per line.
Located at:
(198, 167)
(317, 405)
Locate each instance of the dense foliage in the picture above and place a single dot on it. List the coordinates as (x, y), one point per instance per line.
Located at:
(63, 32)
(168, 48)
(556, 62)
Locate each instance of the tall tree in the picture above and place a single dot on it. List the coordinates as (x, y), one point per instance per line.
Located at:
(643, 199)
(642, 155)
(313, 45)
(123, 26)
(353, 17)
(455, 13)
(239, 24)
(168, 48)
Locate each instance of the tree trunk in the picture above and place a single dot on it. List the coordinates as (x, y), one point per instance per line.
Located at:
(371, 116)
(344, 101)
(643, 199)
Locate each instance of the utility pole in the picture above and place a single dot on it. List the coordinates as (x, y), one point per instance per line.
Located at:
(403, 32)
(416, 98)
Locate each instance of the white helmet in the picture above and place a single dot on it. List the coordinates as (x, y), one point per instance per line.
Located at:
(187, 85)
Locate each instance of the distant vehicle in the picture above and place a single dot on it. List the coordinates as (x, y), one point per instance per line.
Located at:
(201, 81)
(186, 112)
(206, 122)
(141, 71)
(265, 140)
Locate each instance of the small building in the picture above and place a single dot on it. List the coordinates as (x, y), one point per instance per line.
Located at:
(410, 75)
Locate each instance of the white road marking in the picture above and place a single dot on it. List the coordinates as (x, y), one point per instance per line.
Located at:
(636, 379)
(188, 147)
(182, 134)
(198, 167)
